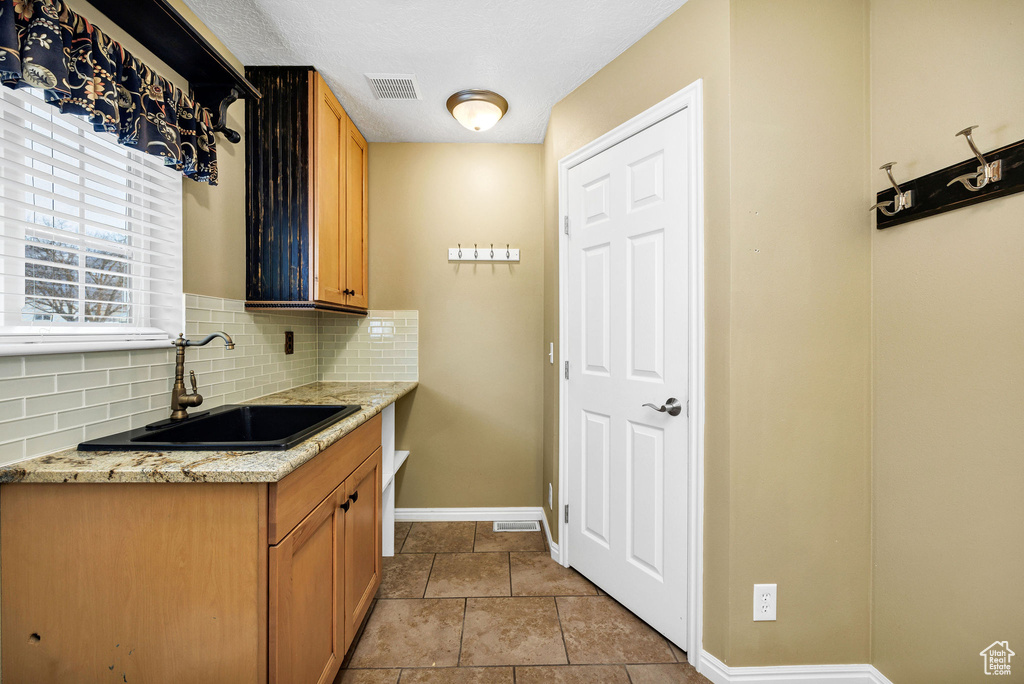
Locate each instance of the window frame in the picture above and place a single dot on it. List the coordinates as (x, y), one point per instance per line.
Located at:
(161, 191)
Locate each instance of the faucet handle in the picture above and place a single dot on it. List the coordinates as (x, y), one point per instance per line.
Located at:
(192, 379)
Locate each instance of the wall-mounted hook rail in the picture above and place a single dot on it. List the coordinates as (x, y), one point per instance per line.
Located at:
(988, 172)
(902, 200)
(486, 255)
(957, 186)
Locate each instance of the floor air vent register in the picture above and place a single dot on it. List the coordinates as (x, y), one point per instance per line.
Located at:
(517, 526)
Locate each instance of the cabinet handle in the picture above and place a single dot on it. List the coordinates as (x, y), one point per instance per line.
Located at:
(345, 506)
(354, 497)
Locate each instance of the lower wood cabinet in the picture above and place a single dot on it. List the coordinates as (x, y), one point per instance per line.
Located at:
(362, 543)
(244, 583)
(323, 577)
(307, 598)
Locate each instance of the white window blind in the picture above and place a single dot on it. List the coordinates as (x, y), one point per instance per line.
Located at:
(90, 240)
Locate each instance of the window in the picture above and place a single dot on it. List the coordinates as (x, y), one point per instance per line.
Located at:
(90, 235)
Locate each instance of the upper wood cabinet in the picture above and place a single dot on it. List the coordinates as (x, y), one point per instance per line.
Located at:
(306, 196)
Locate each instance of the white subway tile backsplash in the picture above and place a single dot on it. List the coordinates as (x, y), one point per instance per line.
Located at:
(367, 349)
(48, 364)
(27, 387)
(53, 401)
(53, 441)
(73, 381)
(27, 427)
(12, 409)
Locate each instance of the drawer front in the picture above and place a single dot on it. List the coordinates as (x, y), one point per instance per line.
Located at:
(292, 498)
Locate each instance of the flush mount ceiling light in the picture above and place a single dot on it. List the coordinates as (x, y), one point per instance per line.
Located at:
(477, 110)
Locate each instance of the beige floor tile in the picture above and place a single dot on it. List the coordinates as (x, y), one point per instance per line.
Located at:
(679, 653)
(676, 673)
(405, 575)
(512, 631)
(469, 574)
(489, 540)
(367, 677)
(536, 574)
(401, 532)
(411, 633)
(440, 537)
(572, 674)
(599, 630)
(459, 675)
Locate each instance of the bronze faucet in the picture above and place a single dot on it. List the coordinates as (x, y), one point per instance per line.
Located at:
(180, 398)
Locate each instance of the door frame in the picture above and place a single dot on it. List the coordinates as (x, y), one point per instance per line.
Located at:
(690, 97)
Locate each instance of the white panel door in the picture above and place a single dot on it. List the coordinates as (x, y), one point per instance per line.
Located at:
(628, 346)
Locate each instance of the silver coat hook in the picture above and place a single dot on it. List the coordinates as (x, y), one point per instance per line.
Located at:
(492, 250)
(903, 200)
(988, 172)
(508, 254)
(460, 250)
(476, 252)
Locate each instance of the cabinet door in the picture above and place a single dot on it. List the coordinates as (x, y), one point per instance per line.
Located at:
(362, 542)
(356, 275)
(307, 611)
(330, 134)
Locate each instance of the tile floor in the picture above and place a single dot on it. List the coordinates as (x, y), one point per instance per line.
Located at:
(461, 604)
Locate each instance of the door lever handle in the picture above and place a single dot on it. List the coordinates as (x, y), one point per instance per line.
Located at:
(672, 407)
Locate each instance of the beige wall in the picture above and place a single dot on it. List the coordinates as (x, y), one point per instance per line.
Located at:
(948, 353)
(473, 425)
(800, 416)
(214, 217)
(787, 287)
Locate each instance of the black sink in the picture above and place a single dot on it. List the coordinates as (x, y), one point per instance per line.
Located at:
(227, 428)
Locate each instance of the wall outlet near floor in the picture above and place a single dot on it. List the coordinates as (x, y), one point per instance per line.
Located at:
(765, 601)
(551, 497)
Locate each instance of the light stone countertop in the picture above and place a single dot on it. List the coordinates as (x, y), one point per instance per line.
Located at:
(76, 466)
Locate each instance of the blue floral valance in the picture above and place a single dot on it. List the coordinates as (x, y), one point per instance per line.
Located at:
(81, 70)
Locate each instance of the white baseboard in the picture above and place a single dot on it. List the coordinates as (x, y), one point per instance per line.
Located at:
(547, 533)
(720, 673)
(468, 514)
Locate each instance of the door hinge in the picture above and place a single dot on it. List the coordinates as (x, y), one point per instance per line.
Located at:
(565, 222)
(567, 513)
(566, 370)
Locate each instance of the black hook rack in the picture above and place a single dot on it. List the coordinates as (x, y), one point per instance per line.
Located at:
(937, 193)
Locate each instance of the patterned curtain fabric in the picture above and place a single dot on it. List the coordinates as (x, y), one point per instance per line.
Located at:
(43, 44)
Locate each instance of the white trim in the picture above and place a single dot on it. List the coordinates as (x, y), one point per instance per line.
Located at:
(468, 514)
(29, 349)
(720, 673)
(691, 97)
(547, 533)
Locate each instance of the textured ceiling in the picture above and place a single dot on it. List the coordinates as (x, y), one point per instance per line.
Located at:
(534, 52)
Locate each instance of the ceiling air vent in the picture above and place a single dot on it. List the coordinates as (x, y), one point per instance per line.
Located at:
(394, 86)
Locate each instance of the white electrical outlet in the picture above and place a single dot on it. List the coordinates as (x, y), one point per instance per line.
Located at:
(765, 601)
(551, 497)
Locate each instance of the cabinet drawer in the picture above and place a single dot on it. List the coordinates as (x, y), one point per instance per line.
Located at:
(291, 499)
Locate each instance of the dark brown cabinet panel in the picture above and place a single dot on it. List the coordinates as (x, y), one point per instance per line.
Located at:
(306, 221)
